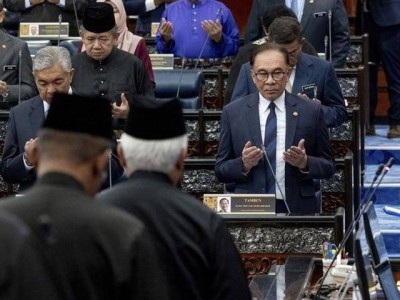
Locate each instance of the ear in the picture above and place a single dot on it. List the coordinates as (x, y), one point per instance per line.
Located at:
(71, 74)
(180, 162)
(2, 13)
(253, 77)
(100, 163)
(121, 156)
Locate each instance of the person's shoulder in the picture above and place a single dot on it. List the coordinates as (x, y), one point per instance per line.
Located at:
(315, 60)
(126, 57)
(24, 104)
(242, 102)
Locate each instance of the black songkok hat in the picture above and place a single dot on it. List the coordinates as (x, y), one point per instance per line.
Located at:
(151, 119)
(80, 114)
(98, 17)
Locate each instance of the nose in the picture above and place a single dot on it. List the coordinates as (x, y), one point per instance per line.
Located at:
(51, 89)
(96, 43)
(269, 80)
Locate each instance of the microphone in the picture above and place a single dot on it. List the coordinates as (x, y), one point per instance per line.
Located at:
(59, 29)
(180, 78)
(205, 42)
(19, 75)
(330, 34)
(386, 168)
(326, 46)
(274, 175)
(76, 16)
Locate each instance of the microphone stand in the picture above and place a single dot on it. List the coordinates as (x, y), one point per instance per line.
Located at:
(330, 34)
(59, 29)
(76, 16)
(274, 175)
(19, 75)
(357, 217)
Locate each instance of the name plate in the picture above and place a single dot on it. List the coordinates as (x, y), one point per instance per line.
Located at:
(241, 203)
(162, 61)
(154, 28)
(44, 30)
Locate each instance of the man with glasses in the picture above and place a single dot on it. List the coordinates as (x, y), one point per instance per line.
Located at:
(274, 142)
(311, 77)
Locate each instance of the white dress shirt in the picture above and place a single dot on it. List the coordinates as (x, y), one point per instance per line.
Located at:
(280, 111)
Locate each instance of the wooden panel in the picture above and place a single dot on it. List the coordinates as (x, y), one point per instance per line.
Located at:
(240, 10)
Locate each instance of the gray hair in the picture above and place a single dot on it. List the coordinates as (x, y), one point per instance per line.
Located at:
(50, 56)
(160, 155)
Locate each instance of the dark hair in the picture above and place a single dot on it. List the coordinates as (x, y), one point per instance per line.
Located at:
(284, 30)
(220, 200)
(268, 47)
(274, 12)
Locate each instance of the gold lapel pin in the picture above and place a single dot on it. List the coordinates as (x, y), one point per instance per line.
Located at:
(4, 46)
(311, 1)
(295, 113)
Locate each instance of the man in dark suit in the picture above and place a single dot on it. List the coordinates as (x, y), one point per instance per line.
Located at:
(314, 18)
(386, 23)
(53, 73)
(274, 134)
(196, 250)
(311, 77)
(24, 268)
(99, 252)
(49, 11)
(10, 63)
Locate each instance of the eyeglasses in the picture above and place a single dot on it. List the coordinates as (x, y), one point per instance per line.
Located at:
(263, 76)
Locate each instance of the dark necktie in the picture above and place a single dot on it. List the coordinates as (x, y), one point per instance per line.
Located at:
(270, 147)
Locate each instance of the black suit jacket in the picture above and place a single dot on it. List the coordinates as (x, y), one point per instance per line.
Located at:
(314, 28)
(9, 72)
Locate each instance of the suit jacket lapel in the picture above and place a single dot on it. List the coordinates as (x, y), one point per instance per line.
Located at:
(303, 73)
(253, 120)
(4, 44)
(36, 115)
(291, 120)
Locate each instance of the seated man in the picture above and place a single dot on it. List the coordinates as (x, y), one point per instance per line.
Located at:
(198, 29)
(311, 77)
(274, 133)
(103, 70)
(11, 63)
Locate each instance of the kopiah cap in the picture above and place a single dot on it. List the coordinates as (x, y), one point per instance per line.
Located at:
(98, 17)
(79, 114)
(151, 119)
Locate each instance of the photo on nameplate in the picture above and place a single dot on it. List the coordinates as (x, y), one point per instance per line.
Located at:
(240, 203)
(44, 30)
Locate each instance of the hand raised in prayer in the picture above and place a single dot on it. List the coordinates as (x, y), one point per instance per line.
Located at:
(306, 97)
(296, 155)
(250, 156)
(166, 30)
(121, 111)
(213, 29)
(3, 87)
(30, 152)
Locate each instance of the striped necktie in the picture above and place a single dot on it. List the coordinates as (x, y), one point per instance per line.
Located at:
(270, 146)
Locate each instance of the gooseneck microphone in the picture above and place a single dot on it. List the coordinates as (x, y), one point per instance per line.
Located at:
(205, 42)
(274, 175)
(19, 75)
(330, 34)
(386, 168)
(76, 16)
(59, 29)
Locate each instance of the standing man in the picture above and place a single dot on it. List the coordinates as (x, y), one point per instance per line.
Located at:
(198, 29)
(311, 76)
(14, 58)
(274, 134)
(314, 18)
(53, 73)
(386, 22)
(103, 70)
(49, 11)
(196, 250)
(99, 252)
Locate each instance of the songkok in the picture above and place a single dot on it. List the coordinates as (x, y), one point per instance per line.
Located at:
(98, 17)
(80, 114)
(151, 119)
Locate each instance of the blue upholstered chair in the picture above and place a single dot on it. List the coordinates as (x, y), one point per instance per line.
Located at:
(72, 46)
(189, 82)
(35, 46)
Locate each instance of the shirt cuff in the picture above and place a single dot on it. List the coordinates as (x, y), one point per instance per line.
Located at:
(27, 4)
(61, 3)
(149, 5)
(27, 167)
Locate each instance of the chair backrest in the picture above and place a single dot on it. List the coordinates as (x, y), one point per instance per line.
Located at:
(35, 46)
(72, 46)
(187, 85)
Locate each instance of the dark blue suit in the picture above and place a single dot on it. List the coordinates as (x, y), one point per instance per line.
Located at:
(386, 17)
(24, 123)
(240, 123)
(314, 28)
(309, 70)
